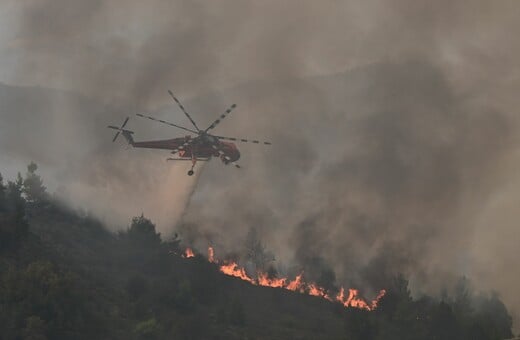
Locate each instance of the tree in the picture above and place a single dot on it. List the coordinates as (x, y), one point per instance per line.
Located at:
(2, 193)
(492, 316)
(443, 323)
(148, 329)
(398, 293)
(33, 187)
(13, 224)
(463, 305)
(142, 230)
(15, 203)
(41, 291)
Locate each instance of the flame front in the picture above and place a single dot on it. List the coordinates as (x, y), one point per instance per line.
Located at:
(264, 280)
(211, 255)
(188, 253)
(297, 285)
(232, 269)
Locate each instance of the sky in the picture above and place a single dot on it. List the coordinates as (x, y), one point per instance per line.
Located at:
(394, 126)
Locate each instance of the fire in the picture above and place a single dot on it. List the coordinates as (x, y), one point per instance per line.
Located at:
(297, 285)
(264, 280)
(379, 296)
(188, 253)
(211, 255)
(353, 300)
(232, 269)
(316, 290)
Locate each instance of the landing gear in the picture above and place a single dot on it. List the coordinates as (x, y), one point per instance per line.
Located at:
(193, 161)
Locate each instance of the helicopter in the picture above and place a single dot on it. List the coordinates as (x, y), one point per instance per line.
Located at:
(202, 146)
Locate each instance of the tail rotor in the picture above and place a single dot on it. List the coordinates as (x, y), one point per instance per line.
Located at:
(120, 129)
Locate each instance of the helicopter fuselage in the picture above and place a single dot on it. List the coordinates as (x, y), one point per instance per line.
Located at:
(197, 149)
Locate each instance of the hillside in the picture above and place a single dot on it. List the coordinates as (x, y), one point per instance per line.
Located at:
(64, 276)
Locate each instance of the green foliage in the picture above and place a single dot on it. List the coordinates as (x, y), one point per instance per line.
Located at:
(444, 324)
(15, 202)
(148, 329)
(142, 232)
(2, 194)
(68, 278)
(173, 244)
(13, 224)
(462, 297)
(39, 297)
(492, 316)
(33, 187)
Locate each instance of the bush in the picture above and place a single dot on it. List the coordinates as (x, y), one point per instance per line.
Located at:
(148, 329)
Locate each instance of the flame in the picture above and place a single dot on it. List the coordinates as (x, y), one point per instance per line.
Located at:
(379, 296)
(232, 269)
(211, 255)
(297, 285)
(188, 253)
(316, 290)
(264, 280)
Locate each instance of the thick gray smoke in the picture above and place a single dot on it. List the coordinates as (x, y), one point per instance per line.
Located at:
(393, 125)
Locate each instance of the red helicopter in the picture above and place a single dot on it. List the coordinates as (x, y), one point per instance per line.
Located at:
(201, 147)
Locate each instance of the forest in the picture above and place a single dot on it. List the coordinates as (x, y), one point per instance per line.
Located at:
(64, 275)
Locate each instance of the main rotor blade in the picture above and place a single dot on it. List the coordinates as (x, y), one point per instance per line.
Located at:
(222, 116)
(243, 140)
(126, 121)
(183, 110)
(113, 127)
(165, 122)
(115, 137)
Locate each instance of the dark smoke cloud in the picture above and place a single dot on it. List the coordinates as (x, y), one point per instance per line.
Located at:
(393, 125)
(384, 169)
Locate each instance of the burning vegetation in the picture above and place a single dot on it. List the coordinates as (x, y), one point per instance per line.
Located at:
(188, 253)
(298, 284)
(51, 258)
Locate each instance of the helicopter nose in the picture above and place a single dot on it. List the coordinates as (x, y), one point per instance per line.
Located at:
(236, 155)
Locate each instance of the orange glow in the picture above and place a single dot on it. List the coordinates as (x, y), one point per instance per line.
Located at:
(353, 299)
(297, 285)
(316, 290)
(232, 269)
(211, 255)
(265, 281)
(188, 253)
(375, 302)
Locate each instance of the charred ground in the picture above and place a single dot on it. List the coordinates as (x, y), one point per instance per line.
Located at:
(63, 275)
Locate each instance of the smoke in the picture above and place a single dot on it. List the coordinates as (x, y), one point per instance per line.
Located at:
(393, 127)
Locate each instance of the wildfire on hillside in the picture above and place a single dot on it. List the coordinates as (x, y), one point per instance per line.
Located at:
(348, 298)
(188, 253)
